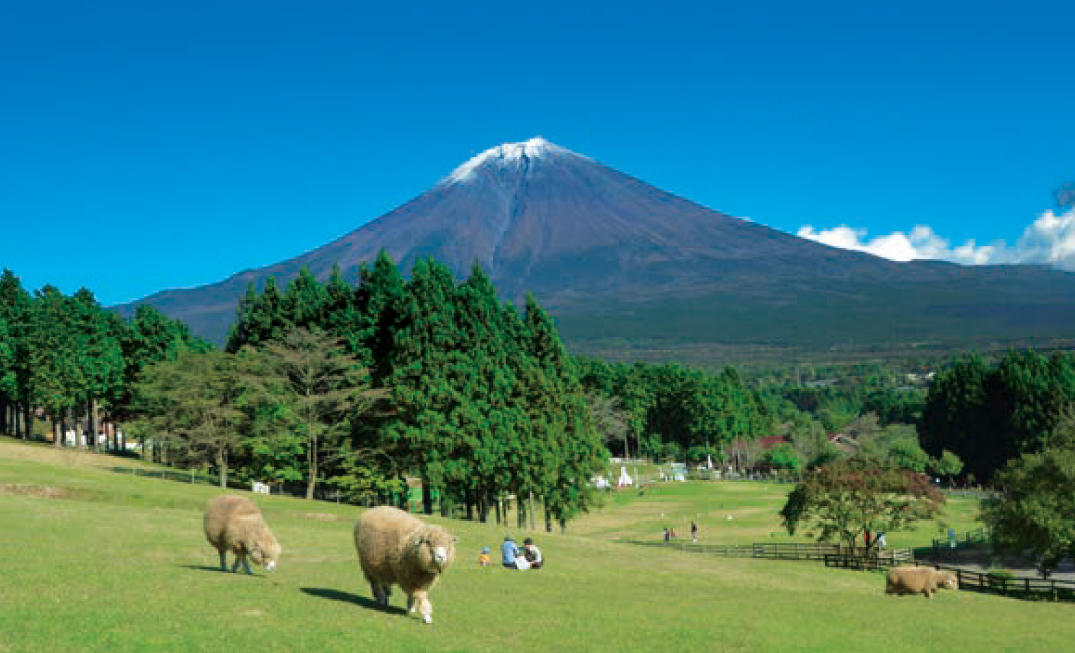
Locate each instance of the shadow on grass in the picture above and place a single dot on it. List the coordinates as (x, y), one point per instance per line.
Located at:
(219, 570)
(347, 597)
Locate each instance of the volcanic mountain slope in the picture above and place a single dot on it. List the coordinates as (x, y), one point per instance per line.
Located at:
(614, 257)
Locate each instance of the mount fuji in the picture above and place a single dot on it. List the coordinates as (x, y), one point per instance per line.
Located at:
(615, 258)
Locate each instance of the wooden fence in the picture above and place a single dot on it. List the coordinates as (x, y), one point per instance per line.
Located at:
(182, 476)
(1024, 588)
(776, 551)
(876, 561)
(943, 547)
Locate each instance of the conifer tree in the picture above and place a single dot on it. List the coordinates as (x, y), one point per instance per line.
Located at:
(341, 317)
(261, 317)
(96, 334)
(378, 301)
(7, 372)
(425, 345)
(489, 416)
(56, 374)
(303, 303)
(567, 452)
(16, 306)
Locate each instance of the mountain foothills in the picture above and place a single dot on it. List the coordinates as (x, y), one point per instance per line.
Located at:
(612, 257)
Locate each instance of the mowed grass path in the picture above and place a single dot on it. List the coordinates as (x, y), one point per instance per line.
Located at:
(118, 563)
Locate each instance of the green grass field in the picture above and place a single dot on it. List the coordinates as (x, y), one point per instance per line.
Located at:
(91, 560)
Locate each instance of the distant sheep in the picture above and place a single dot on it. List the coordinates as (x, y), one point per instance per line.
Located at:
(914, 580)
(234, 523)
(395, 547)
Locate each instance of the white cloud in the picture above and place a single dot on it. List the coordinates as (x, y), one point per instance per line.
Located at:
(1049, 240)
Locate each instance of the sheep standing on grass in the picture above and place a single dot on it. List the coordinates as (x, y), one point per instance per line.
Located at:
(234, 523)
(915, 580)
(397, 548)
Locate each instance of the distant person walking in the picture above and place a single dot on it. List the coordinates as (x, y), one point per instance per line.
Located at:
(667, 535)
(694, 532)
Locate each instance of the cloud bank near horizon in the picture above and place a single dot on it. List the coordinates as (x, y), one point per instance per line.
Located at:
(1049, 240)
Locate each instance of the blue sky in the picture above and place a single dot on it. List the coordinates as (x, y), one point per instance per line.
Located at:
(146, 145)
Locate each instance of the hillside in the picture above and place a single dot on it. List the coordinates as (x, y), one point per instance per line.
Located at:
(109, 562)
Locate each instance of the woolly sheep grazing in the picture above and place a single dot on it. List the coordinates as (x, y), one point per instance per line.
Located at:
(912, 580)
(234, 523)
(397, 548)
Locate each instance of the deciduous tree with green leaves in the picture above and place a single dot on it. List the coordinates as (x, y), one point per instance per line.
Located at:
(841, 500)
(312, 392)
(194, 403)
(1033, 513)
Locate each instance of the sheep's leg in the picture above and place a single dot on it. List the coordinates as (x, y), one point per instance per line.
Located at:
(380, 592)
(240, 559)
(411, 603)
(425, 606)
(223, 561)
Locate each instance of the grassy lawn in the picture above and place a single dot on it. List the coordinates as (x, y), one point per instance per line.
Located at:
(733, 512)
(91, 560)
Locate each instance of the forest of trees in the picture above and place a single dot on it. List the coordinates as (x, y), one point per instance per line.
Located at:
(454, 387)
(356, 388)
(990, 414)
(74, 361)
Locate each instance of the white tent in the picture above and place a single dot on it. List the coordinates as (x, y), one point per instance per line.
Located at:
(625, 478)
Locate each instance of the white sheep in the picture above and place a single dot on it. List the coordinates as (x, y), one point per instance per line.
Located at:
(395, 547)
(234, 523)
(919, 580)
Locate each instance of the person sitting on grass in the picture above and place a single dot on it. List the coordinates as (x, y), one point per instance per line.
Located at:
(533, 554)
(509, 552)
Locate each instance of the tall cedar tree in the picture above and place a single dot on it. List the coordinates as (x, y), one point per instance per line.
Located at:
(340, 314)
(7, 372)
(378, 299)
(568, 450)
(260, 317)
(425, 347)
(303, 303)
(958, 416)
(97, 334)
(491, 418)
(56, 372)
(16, 305)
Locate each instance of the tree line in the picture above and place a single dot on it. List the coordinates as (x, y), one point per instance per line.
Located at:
(75, 362)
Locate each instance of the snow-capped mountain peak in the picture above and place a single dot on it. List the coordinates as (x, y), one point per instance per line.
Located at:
(508, 154)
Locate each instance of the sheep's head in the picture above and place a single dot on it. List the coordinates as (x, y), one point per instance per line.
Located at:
(949, 580)
(434, 548)
(266, 551)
